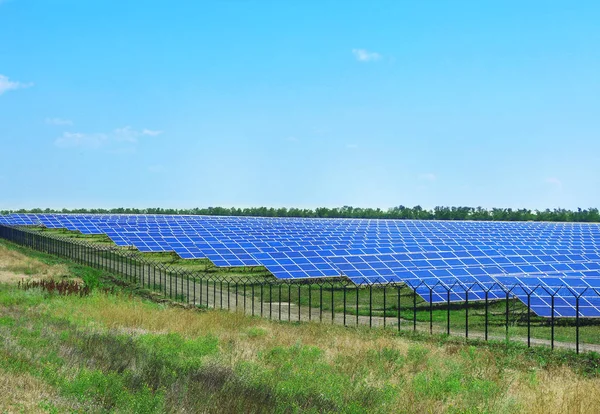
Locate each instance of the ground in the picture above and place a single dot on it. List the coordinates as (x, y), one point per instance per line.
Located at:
(114, 351)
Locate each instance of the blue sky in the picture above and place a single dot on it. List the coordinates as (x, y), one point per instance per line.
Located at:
(299, 103)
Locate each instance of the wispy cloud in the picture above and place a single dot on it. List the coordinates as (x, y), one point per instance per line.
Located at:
(80, 140)
(555, 182)
(352, 146)
(125, 135)
(292, 139)
(427, 177)
(8, 85)
(363, 55)
(151, 132)
(58, 121)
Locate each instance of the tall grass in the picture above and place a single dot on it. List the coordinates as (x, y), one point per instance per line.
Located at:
(111, 352)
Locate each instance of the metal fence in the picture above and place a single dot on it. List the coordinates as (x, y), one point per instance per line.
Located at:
(335, 301)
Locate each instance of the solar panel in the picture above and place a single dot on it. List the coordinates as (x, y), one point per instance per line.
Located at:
(441, 261)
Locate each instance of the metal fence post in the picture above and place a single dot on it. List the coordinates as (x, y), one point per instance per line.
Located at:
(486, 313)
(552, 323)
(332, 305)
(370, 306)
(577, 324)
(384, 305)
(398, 311)
(299, 301)
(344, 288)
(448, 314)
(431, 311)
(529, 319)
(467, 314)
(415, 310)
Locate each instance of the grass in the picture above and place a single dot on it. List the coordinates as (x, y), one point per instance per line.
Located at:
(371, 302)
(116, 352)
(113, 352)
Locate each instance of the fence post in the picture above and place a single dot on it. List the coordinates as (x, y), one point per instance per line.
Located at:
(467, 314)
(370, 306)
(552, 323)
(384, 305)
(321, 302)
(507, 310)
(207, 290)
(529, 319)
(344, 288)
(299, 300)
(577, 324)
(448, 313)
(486, 313)
(236, 295)
(430, 311)
(252, 299)
(310, 301)
(244, 297)
(415, 310)
(357, 292)
(261, 298)
(398, 308)
(332, 305)
(290, 302)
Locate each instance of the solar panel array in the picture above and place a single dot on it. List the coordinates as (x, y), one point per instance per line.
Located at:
(440, 260)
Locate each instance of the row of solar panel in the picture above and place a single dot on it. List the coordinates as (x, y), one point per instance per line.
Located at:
(558, 254)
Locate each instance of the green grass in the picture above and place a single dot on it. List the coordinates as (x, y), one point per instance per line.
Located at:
(116, 352)
(99, 356)
(371, 302)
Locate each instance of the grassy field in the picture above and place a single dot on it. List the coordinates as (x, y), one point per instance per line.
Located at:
(377, 302)
(113, 351)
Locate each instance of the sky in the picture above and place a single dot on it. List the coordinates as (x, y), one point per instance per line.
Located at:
(183, 104)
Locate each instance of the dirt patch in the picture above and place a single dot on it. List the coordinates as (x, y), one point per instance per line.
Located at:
(15, 267)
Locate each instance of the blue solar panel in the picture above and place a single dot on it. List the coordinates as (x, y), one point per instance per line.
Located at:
(440, 260)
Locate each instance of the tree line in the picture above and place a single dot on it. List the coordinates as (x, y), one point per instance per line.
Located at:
(399, 212)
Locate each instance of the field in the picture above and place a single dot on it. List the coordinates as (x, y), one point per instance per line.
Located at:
(115, 350)
(347, 304)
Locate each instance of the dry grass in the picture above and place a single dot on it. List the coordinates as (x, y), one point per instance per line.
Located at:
(403, 375)
(560, 391)
(20, 392)
(353, 353)
(15, 267)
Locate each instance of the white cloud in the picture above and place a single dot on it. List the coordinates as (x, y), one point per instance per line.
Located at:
(553, 181)
(427, 177)
(58, 121)
(72, 140)
(151, 132)
(126, 134)
(97, 140)
(363, 55)
(8, 85)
